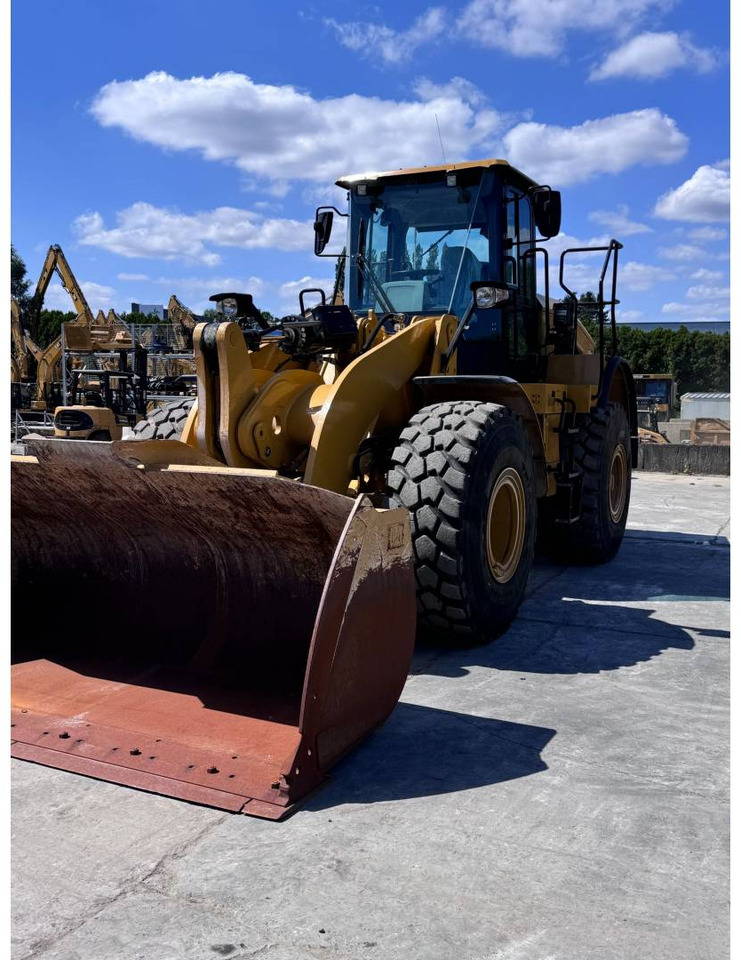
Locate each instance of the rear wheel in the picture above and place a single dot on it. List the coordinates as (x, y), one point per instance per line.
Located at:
(464, 470)
(100, 435)
(166, 422)
(603, 453)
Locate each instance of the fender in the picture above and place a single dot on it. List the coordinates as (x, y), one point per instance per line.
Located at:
(618, 386)
(494, 389)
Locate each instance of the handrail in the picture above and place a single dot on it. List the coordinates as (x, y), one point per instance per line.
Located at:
(611, 255)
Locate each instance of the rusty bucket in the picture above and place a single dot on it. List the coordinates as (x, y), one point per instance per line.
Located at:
(198, 631)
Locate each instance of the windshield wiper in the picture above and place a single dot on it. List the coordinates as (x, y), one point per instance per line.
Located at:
(465, 245)
(439, 240)
(375, 286)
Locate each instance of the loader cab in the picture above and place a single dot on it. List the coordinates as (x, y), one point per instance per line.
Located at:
(418, 239)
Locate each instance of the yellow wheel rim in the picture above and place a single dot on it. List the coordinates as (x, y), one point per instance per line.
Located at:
(505, 525)
(618, 483)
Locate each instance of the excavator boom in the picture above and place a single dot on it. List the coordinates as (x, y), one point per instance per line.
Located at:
(56, 262)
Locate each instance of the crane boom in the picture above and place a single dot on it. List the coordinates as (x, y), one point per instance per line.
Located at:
(56, 262)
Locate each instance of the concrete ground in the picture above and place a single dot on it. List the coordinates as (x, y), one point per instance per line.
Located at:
(559, 795)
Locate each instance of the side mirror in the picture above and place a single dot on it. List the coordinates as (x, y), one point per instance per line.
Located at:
(322, 230)
(547, 211)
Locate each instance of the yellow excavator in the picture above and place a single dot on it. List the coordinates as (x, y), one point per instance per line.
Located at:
(20, 343)
(85, 334)
(104, 398)
(183, 321)
(355, 474)
(47, 358)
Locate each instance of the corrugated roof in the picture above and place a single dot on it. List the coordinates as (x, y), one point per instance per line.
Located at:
(705, 396)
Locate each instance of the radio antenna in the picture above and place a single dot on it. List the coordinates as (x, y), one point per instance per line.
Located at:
(440, 136)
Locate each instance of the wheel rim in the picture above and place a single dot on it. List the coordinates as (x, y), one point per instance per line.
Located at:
(505, 525)
(618, 483)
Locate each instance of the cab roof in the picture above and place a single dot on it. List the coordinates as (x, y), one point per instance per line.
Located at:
(516, 175)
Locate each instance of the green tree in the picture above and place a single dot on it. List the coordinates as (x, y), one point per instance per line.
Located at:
(18, 283)
(432, 259)
(136, 317)
(698, 361)
(46, 325)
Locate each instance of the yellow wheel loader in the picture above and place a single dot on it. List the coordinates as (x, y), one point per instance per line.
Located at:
(360, 471)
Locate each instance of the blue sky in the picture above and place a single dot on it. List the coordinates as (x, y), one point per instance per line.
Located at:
(182, 147)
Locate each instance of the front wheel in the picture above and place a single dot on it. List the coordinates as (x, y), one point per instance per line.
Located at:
(465, 472)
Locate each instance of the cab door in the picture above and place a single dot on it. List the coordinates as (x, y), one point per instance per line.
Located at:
(522, 314)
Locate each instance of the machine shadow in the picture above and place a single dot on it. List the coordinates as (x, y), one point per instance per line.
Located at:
(583, 619)
(576, 637)
(650, 565)
(423, 751)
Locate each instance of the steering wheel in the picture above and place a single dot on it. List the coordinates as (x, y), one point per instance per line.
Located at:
(415, 274)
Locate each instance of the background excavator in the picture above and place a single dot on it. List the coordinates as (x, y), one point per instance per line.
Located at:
(47, 358)
(102, 401)
(356, 473)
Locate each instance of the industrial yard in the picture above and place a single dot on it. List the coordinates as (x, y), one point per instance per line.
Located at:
(370, 481)
(561, 794)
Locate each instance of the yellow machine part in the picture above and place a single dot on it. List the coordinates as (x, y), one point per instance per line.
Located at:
(250, 416)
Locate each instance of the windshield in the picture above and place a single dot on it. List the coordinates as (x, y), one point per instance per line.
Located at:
(419, 247)
(657, 390)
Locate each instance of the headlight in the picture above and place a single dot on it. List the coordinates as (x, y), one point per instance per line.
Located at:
(488, 297)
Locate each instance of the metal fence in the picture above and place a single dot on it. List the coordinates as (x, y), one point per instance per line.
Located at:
(25, 422)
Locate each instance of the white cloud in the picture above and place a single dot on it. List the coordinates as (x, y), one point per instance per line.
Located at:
(132, 276)
(708, 276)
(278, 133)
(568, 155)
(289, 291)
(652, 55)
(144, 230)
(683, 253)
(281, 133)
(636, 276)
(538, 28)
(457, 87)
(582, 270)
(633, 277)
(628, 316)
(618, 222)
(705, 292)
(195, 291)
(704, 198)
(98, 295)
(377, 41)
(708, 233)
(703, 311)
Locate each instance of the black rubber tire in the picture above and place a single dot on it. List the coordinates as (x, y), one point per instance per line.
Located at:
(104, 435)
(164, 423)
(595, 537)
(443, 471)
